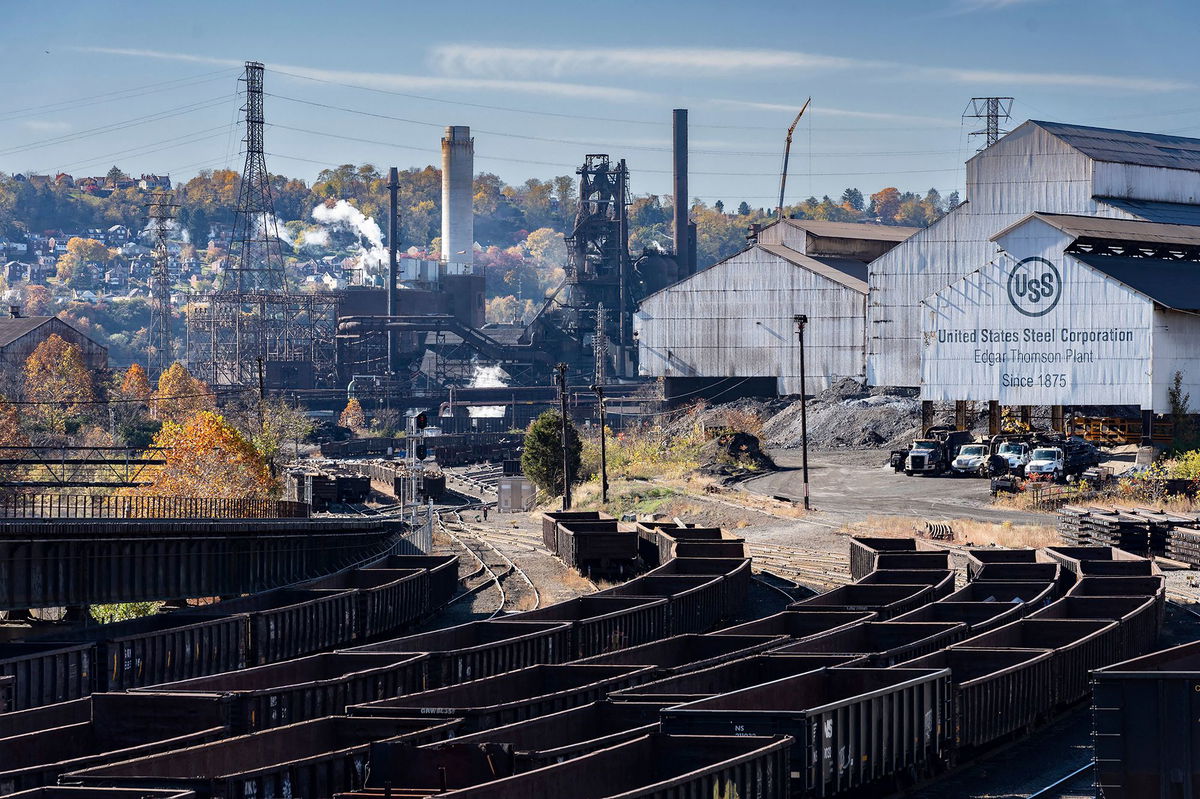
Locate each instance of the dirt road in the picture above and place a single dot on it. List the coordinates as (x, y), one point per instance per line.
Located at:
(850, 485)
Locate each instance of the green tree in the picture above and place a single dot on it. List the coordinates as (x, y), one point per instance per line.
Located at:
(198, 227)
(852, 198)
(743, 208)
(1183, 432)
(542, 459)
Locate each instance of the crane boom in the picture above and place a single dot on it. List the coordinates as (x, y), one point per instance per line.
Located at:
(787, 151)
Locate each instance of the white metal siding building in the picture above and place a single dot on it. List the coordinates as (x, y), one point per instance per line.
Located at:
(737, 319)
(1075, 310)
(1040, 166)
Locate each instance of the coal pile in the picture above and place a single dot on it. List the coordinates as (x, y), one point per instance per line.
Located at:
(848, 415)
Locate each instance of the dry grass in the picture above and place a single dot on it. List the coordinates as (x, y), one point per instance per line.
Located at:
(966, 531)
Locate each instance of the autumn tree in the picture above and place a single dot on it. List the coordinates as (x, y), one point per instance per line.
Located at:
(207, 457)
(38, 300)
(136, 385)
(11, 434)
(179, 395)
(58, 380)
(885, 204)
(353, 416)
(73, 264)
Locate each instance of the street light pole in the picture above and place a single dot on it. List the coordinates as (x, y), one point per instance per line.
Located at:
(599, 389)
(801, 322)
(566, 456)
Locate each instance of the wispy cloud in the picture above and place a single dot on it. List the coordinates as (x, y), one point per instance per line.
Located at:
(964, 6)
(46, 126)
(522, 62)
(1004, 78)
(818, 110)
(538, 61)
(412, 83)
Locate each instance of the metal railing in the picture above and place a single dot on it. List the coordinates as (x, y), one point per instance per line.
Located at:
(72, 506)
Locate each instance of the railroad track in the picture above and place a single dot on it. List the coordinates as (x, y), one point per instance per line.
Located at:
(494, 565)
(1079, 784)
(802, 565)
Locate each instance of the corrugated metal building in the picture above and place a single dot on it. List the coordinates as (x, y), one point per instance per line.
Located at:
(730, 330)
(1075, 310)
(20, 336)
(1041, 166)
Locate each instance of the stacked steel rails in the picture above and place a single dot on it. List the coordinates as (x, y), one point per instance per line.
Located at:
(646, 690)
(1142, 531)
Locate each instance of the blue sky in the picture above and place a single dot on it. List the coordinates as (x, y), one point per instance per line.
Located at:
(153, 86)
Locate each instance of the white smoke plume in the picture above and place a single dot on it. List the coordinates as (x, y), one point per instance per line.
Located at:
(343, 215)
(315, 237)
(267, 225)
(487, 377)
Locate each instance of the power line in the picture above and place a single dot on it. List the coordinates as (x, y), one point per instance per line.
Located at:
(152, 399)
(561, 165)
(576, 117)
(115, 126)
(108, 97)
(584, 143)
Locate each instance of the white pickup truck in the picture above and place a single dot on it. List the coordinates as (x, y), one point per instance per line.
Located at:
(971, 460)
(1046, 461)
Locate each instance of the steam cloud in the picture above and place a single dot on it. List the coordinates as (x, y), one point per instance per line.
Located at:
(342, 215)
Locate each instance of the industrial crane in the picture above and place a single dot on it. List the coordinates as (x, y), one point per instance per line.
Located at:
(787, 151)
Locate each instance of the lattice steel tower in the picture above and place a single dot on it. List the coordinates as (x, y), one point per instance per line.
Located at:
(994, 111)
(251, 325)
(161, 346)
(255, 258)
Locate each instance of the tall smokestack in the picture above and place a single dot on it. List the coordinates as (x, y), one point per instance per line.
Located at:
(458, 219)
(393, 244)
(683, 247)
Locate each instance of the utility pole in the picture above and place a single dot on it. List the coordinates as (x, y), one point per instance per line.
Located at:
(561, 369)
(262, 396)
(600, 349)
(787, 152)
(801, 322)
(994, 111)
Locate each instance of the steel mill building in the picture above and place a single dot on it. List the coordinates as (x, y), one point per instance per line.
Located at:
(1041, 167)
(731, 330)
(1069, 277)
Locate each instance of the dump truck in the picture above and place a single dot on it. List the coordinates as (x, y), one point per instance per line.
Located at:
(933, 452)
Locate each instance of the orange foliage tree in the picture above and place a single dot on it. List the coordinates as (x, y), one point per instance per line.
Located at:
(353, 416)
(207, 457)
(136, 384)
(179, 395)
(38, 300)
(56, 377)
(11, 434)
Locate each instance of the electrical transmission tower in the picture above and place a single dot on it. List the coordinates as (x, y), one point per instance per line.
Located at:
(161, 350)
(995, 111)
(251, 324)
(255, 258)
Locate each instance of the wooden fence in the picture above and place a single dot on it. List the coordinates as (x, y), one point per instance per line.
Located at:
(70, 506)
